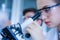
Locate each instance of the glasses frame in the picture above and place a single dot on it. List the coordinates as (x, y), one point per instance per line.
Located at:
(49, 7)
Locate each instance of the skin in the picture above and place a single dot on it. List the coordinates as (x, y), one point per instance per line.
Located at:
(34, 28)
(52, 19)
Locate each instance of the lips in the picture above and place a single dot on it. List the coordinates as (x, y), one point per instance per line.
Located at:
(48, 23)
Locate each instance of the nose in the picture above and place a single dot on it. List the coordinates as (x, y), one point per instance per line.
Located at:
(44, 16)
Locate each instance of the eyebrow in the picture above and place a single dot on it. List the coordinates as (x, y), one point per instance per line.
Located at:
(47, 6)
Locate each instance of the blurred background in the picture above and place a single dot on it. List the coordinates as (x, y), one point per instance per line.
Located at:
(14, 8)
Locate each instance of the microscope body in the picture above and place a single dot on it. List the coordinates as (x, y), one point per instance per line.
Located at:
(8, 34)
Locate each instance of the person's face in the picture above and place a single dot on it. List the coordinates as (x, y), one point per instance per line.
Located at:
(50, 16)
(29, 14)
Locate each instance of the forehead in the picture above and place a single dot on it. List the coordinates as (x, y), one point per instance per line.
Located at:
(42, 3)
(29, 14)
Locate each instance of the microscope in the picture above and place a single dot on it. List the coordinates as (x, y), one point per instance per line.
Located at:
(8, 33)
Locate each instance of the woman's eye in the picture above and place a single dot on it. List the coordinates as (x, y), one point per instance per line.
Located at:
(47, 10)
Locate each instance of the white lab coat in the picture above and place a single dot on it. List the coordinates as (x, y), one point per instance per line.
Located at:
(52, 34)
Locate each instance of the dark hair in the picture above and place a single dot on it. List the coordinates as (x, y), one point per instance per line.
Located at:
(57, 1)
(29, 10)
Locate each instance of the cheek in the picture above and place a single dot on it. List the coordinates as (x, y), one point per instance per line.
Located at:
(55, 17)
(55, 13)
